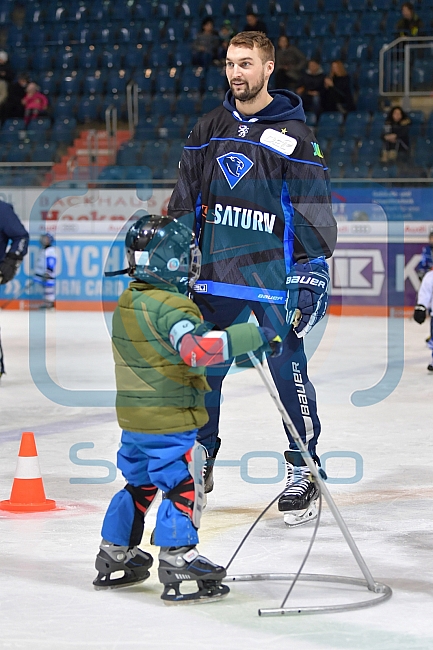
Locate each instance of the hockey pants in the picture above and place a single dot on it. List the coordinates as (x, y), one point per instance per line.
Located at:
(150, 460)
(289, 371)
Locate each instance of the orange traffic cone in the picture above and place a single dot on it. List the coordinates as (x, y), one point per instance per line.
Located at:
(28, 494)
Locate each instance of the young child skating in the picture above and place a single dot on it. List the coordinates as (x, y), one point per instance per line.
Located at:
(425, 306)
(45, 270)
(161, 348)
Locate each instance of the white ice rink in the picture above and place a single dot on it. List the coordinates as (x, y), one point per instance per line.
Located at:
(47, 600)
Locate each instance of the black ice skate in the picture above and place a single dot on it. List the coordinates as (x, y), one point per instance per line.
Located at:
(179, 564)
(298, 502)
(430, 367)
(132, 562)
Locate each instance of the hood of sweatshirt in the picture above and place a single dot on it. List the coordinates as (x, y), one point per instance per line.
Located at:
(284, 106)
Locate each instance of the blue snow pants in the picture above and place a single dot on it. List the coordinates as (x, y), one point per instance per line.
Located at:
(289, 371)
(151, 460)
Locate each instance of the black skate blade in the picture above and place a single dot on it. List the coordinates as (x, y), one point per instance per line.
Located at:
(118, 583)
(203, 595)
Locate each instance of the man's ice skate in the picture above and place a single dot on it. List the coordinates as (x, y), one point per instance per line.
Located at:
(184, 563)
(298, 502)
(133, 563)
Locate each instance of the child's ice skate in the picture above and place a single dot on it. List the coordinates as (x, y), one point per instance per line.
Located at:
(132, 562)
(179, 564)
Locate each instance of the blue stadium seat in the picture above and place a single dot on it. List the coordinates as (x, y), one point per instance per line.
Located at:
(332, 49)
(134, 57)
(429, 127)
(192, 80)
(310, 47)
(63, 130)
(149, 33)
(336, 6)
(37, 35)
(357, 49)
(65, 58)
(391, 23)
(128, 152)
(116, 82)
(421, 76)
(311, 118)
(82, 33)
(70, 84)
(384, 171)
(49, 83)
(171, 127)
(118, 101)
(111, 173)
(369, 76)
(12, 131)
(16, 36)
(284, 7)
(160, 56)
(99, 10)
(93, 83)
(64, 108)
(417, 126)
(162, 105)
(146, 128)
(176, 150)
(44, 152)
(182, 54)
(308, 6)
(104, 34)
(377, 124)
(210, 101)
(167, 81)
(111, 58)
(369, 151)
(55, 14)
(187, 104)
(143, 11)
(144, 106)
(43, 62)
(329, 125)
(370, 24)
(215, 80)
(423, 152)
(356, 124)
(296, 26)
(368, 100)
(175, 31)
(20, 59)
(357, 170)
(19, 153)
(88, 58)
(321, 25)
(345, 25)
(88, 109)
(155, 153)
(145, 81)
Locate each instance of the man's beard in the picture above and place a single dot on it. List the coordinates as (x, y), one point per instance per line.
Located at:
(248, 93)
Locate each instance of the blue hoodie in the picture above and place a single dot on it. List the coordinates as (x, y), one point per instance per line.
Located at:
(284, 106)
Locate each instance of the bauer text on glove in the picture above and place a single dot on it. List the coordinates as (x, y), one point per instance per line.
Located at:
(307, 290)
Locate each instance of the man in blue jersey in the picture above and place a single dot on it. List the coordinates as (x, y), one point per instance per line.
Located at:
(14, 240)
(255, 176)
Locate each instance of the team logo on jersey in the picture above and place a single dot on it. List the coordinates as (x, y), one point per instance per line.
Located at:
(234, 167)
(243, 130)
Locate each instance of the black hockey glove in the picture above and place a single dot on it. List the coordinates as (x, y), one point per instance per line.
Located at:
(419, 314)
(9, 267)
(307, 291)
(272, 342)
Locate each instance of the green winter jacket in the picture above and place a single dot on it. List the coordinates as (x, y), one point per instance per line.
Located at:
(157, 392)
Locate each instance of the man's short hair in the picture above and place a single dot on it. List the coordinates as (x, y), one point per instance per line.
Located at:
(255, 39)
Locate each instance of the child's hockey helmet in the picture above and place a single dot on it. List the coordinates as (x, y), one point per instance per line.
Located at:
(161, 251)
(46, 240)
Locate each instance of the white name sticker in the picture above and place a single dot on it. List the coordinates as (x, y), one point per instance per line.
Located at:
(141, 258)
(284, 143)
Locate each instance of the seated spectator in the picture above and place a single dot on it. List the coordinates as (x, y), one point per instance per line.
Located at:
(225, 34)
(254, 24)
(35, 103)
(6, 72)
(410, 23)
(311, 87)
(205, 45)
(289, 64)
(396, 136)
(338, 90)
(17, 90)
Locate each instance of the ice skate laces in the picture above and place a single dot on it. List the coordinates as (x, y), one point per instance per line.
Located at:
(298, 480)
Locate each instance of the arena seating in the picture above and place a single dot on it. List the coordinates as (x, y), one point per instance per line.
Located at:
(83, 53)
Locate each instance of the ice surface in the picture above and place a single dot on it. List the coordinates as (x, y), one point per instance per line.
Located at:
(46, 561)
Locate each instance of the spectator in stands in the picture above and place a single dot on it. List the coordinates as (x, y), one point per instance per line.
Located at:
(396, 136)
(6, 72)
(312, 87)
(34, 102)
(17, 91)
(289, 64)
(225, 34)
(205, 45)
(337, 95)
(254, 24)
(410, 23)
